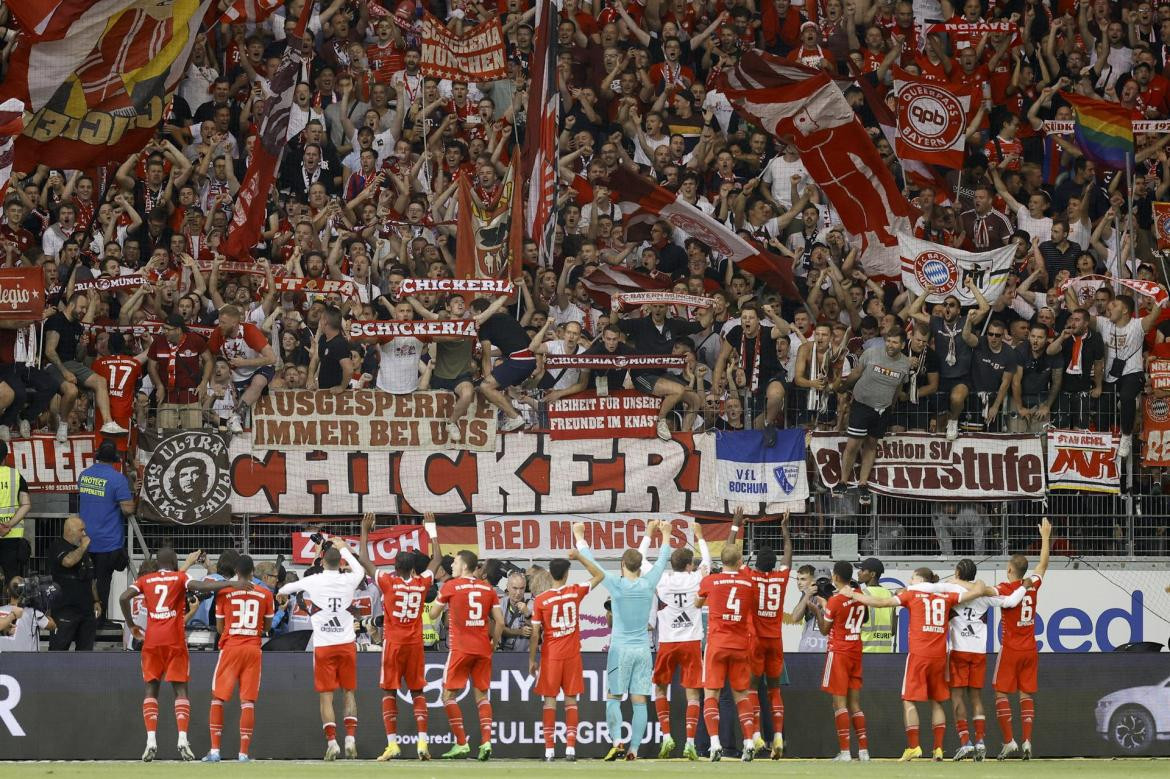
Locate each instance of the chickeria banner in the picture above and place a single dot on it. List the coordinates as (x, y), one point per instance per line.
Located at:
(484, 286)
(527, 473)
(635, 299)
(932, 120)
(979, 467)
(1156, 415)
(146, 327)
(615, 361)
(186, 480)
(384, 544)
(110, 283)
(621, 414)
(1162, 224)
(1082, 460)
(48, 466)
(367, 420)
(22, 293)
(385, 329)
(542, 537)
(476, 55)
(944, 271)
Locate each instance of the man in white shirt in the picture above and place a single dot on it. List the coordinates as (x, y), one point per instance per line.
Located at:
(778, 175)
(399, 358)
(559, 379)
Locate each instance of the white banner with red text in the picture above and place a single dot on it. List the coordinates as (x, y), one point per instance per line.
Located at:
(383, 544)
(611, 362)
(1156, 415)
(621, 414)
(630, 300)
(924, 466)
(1083, 460)
(543, 537)
(368, 420)
(48, 466)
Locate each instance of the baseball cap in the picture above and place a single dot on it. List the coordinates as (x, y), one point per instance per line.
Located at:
(872, 564)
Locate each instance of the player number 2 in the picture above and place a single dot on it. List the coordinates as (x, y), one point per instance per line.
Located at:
(161, 591)
(474, 607)
(564, 616)
(936, 614)
(408, 605)
(247, 614)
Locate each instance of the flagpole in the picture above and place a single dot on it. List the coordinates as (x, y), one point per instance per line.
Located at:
(1130, 217)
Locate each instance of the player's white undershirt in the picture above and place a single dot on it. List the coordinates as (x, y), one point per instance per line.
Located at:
(677, 617)
(967, 630)
(331, 592)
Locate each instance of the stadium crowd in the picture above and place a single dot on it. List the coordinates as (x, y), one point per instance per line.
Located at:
(365, 194)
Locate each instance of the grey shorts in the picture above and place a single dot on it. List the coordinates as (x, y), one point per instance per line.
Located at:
(78, 369)
(644, 382)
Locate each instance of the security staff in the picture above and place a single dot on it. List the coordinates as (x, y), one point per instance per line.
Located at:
(15, 504)
(104, 500)
(878, 633)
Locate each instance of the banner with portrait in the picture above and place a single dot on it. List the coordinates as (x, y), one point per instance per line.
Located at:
(186, 480)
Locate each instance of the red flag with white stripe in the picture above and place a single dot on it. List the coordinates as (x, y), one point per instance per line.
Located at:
(932, 120)
(11, 125)
(249, 11)
(539, 153)
(606, 281)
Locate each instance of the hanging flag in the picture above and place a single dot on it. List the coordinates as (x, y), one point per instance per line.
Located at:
(747, 470)
(945, 271)
(11, 124)
(465, 264)
(539, 152)
(1103, 132)
(804, 106)
(932, 120)
(607, 281)
(249, 11)
(516, 223)
(643, 203)
(273, 112)
(98, 79)
(479, 54)
(1162, 224)
(486, 241)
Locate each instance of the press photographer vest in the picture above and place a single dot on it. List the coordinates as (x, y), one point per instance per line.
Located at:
(10, 500)
(877, 634)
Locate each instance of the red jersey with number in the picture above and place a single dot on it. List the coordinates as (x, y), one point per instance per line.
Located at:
(244, 614)
(929, 612)
(1019, 623)
(121, 374)
(180, 366)
(731, 603)
(403, 601)
(558, 613)
(166, 608)
(768, 619)
(846, 617)
(470, 603)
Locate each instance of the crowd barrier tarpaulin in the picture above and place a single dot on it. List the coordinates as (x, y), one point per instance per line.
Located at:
(621, 414)
(526, 473)
(368, 420)
(384, 544)
(88, 706)
(924, 466)
(1083, 460)
(1156, 415)
(48, 466)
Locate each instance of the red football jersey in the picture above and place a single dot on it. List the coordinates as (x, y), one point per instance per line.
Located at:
(470, 602)
(121, 375)
(243, 614)
(731, 602)
(166, 607)
(929, 613)
(403, 601)
(1019, 623)
(847, 617)
(769, 615)
(557, 612)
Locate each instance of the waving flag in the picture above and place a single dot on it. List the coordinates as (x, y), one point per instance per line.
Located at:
(1162, 224)
(11, 123)
(274, 112)
(539, 153)
(932, 120)
(945, 271)
(46, 19)
(249, 11)
(607, 281)
(643, 203)
(1103, 132)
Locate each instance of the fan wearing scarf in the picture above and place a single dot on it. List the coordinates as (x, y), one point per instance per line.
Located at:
(755, 348)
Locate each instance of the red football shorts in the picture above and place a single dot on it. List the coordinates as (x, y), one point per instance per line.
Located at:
(925, 679)
(968, 669)
(560, 675)
(402, 662)
(461, 667)
(335, 666)
(1016, 671)
(166, 663)
(722, 664)
(767, 657)
(237, 665)
(842, 672)
(685, 654)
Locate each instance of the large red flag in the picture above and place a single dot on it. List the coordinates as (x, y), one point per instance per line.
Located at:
(465, 254)
(249, 11)
(607, 280)
(274, 111)
(540, 135)
(932, 120)
(516, 228)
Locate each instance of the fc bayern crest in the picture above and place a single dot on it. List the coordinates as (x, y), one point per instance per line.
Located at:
(929, 118)
(1158, 409)
(1164, 227)
(936, 271)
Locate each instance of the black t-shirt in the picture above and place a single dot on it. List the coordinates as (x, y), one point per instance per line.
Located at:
(70, 333)
(746, 348)
(505, 333)
(615, 378)
(330, 353)
(927, 364)
(646, 338)
(988, 367)
(1092, 350)
(1037, 376)
(74, 583)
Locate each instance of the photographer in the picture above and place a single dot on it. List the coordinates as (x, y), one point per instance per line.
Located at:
(15, 504)
(517, 615)
(26, 623)
(78, 609)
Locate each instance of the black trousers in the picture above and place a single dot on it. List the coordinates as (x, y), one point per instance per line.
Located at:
(14, 557)
(20, 378)
(104, 565)
(75, 625)
(1126, 389)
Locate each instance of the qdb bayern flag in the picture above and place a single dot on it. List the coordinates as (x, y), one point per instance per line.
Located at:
(944, 271)
(97, 80)
(643, 203)
(747, 471)
(805, 106)
(273, 112)
(932, 120)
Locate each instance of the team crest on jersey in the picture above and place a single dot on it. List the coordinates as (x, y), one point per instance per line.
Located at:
(187, 480)
(933, 269)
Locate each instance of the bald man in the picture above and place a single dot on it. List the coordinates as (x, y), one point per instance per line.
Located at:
(79, 608)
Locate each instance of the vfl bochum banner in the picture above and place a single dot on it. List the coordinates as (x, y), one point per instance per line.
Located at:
(747, 470)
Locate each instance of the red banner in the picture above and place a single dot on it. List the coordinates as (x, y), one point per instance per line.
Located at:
(1156, 415)
(146, 327)
(622, 414)
(1162, 224)
(48, 466)
(476, 55)
(347, 289)
(384, 544)
(22, 293)
(932, 120)
(110, 283)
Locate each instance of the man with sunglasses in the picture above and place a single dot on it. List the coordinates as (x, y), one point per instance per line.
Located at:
(994, 366)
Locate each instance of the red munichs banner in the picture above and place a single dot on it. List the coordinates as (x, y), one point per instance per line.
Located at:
(22, 294)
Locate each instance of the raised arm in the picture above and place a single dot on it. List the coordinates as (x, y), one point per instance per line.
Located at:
(1045, 528)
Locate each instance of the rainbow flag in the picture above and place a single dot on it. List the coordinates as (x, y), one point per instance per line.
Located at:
(1103, 132)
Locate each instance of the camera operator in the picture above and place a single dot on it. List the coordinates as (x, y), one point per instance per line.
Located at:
(517, 615)
(15, 503)
(24, 635)
(78, 609)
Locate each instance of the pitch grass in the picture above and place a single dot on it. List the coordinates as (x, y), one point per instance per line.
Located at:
(596, 769)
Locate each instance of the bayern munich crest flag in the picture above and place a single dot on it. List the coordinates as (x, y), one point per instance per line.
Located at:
(748, 471)
(944, 271)
(1162, 224)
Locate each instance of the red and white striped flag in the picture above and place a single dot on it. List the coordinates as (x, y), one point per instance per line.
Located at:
(11, 125)
(249, 11)
(607, 281)
(539, 153)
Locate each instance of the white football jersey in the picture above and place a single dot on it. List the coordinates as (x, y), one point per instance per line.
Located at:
(677, 618)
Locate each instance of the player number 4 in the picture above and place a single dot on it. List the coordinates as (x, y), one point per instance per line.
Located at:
(733, 603)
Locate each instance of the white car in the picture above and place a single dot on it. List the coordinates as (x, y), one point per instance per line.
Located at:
(1134, 718)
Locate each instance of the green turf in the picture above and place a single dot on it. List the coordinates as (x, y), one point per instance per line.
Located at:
(595, 769)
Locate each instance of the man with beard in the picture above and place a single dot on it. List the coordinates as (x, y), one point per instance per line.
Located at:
(994, 366)
(755, 346)
(915, 398)
(1082, 354)
(1038, 382)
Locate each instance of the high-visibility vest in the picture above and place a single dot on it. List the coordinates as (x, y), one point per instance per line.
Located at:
(877, 634)
(10, 500)
(430, 633)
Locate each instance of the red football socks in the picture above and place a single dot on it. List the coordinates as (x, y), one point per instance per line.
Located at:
(912, 737)
(746, 723)
(216, 723)
(980, 728)
(455, 720)
(350, 726)
(711, 715)
(1003, 713)
(330, 729)
(390, 714)
(420, 712)
(939, 733)
(777, 709)
(571, 723)
(841, 719)
(150, 714)
(662, 709)
(964, 734)
(182, 714)
(1027, 714)
(692, 718)
(485, 721)
(247, 725)
(859, 729)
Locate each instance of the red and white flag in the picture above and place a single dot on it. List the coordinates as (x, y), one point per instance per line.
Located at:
(1162, 224)
(539, 152)
(932, 120)
(607, 281)
(643, 203)
(274, 111)
(11, 125)
(249, 11)
(804, 106)
(1085, 287)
